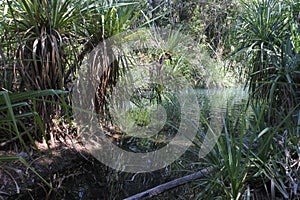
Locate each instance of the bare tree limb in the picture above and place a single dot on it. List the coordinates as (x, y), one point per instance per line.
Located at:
(11, 140)
(166, 186)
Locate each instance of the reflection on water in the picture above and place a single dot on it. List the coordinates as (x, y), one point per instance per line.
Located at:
(217, 101)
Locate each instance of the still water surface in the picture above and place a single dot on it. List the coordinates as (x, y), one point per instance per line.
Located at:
(97, 181)
(211, 102)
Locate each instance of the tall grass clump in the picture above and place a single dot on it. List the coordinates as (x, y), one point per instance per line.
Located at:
(251, 159)
(20, 125)
(19, 119)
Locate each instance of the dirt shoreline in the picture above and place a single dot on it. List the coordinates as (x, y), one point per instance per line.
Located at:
(16, 179)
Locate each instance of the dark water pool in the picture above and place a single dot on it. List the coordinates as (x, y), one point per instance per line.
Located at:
(93, 180)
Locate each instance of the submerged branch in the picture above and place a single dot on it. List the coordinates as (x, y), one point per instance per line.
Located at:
(169, 185)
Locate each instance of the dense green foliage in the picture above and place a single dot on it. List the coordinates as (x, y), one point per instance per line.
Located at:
(267, 36)
(44, 42)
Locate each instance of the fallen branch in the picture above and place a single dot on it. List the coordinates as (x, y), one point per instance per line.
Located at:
(166, 186)
(12, 140)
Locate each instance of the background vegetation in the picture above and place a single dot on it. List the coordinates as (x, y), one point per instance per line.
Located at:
(251, 42)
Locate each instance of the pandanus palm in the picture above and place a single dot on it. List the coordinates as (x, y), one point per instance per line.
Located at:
(267, 38)
(40, 44)
(43, 45)
(108, 19)
(52, 37)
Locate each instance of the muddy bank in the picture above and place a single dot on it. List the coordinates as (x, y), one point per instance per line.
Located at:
(73, 174)
(53, 165)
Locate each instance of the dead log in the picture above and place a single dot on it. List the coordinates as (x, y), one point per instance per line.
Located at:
(169, 185)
